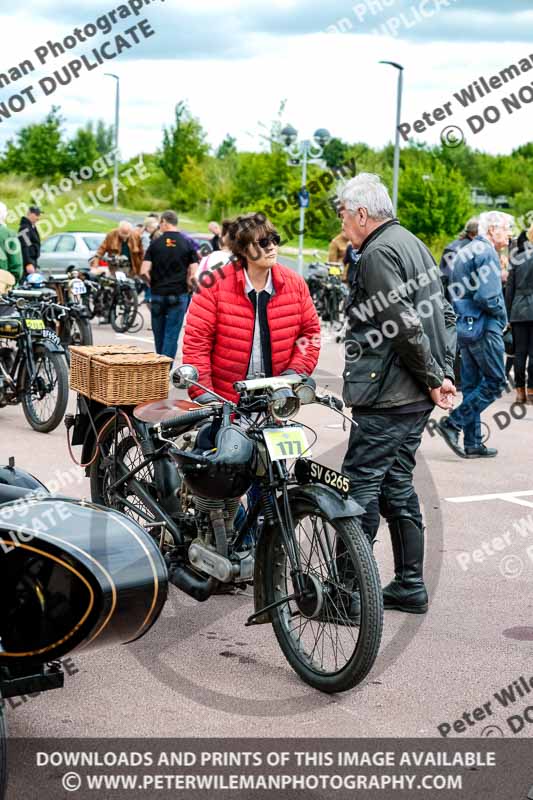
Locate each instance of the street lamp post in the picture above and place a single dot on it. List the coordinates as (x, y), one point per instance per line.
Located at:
(307, 151)
(396, 176)
(117, 121)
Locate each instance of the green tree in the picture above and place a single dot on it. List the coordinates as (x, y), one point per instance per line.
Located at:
(228, 147)
(181, 141)
(433, 204)
(39, 149)
(104, 136)
(335, 153)
(82, 149)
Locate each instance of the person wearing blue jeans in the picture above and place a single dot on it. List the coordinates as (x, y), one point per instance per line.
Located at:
(169, 267)
(480, 307)
(168, 313)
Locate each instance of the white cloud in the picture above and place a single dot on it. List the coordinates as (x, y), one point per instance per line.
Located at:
(329, 80)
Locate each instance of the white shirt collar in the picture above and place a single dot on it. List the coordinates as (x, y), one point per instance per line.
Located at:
(250, 288)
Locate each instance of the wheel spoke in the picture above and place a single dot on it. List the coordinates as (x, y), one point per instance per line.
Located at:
(326, 642)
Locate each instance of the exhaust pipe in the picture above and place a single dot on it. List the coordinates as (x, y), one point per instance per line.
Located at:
(192, 584)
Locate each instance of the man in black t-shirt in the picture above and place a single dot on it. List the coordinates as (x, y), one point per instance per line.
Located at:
(169, 266)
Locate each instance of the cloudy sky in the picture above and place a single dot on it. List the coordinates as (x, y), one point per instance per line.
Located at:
(235, 60)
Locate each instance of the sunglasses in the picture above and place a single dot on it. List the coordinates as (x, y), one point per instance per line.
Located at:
(273, 238)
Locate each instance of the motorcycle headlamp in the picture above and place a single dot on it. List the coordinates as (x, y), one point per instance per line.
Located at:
(284, 404)
(305, 394)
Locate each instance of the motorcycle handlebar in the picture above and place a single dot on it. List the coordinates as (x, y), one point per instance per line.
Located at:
(184, 420)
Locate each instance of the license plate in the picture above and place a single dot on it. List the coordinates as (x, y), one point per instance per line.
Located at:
(35, 324)
(78, 287)
(48, 334)
(310, 472)
(289, 442)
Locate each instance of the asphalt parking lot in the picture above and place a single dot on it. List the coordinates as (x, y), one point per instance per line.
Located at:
(200, 672)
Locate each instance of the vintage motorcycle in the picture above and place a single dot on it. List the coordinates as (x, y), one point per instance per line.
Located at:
(74, 326)
(327, 291)
(33, 366)
(232, 498)
(73, 576)
(113, 298)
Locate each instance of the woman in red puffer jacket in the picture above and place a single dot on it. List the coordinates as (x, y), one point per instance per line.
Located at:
(252, 316)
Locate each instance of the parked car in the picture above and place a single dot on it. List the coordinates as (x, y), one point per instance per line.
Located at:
(64, 251)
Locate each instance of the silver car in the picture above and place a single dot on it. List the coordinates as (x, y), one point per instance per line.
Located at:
(65, 250)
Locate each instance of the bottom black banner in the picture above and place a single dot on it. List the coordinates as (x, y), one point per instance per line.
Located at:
(492, 769)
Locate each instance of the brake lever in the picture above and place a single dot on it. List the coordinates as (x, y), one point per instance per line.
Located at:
(333, 403)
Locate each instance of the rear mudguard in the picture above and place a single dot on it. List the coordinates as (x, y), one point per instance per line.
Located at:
(327, 500)
(84, 430)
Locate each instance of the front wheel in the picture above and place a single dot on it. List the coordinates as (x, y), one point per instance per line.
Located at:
(78, 331)
(45, 394)
(331, 635)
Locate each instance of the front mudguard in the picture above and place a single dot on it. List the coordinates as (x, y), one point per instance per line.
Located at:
(50, 345)
(334, 505)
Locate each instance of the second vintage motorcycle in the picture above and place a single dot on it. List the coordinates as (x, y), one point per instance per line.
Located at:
(231, 496)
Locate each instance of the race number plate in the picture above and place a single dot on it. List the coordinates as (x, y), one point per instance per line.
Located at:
(35, 324)
(311, 472)
(287, 442)
(78, 287)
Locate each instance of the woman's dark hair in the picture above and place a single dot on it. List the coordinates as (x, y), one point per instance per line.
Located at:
(244, 230)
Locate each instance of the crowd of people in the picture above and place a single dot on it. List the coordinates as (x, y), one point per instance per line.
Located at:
(438, 329)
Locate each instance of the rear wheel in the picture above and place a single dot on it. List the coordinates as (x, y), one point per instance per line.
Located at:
(121, 445)
(124, 309)
(332, 637)
(45, 397)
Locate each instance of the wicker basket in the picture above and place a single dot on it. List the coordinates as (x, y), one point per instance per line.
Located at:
(119, 374)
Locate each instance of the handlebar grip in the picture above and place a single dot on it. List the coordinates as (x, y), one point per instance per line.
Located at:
(337, 402)
(184, 420)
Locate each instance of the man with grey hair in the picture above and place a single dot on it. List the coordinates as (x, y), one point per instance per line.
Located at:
(479, 303)
(400, 352)
(10, 249)
(123, 241)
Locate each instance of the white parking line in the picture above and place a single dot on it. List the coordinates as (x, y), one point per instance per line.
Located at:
(508, 497)
(150, 339)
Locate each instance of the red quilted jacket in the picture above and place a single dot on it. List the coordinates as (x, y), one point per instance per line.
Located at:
(220, 326)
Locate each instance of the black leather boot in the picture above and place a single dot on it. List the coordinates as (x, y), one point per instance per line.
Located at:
(407, 591)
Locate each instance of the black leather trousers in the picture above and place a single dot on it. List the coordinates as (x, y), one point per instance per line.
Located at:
(380, 462)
